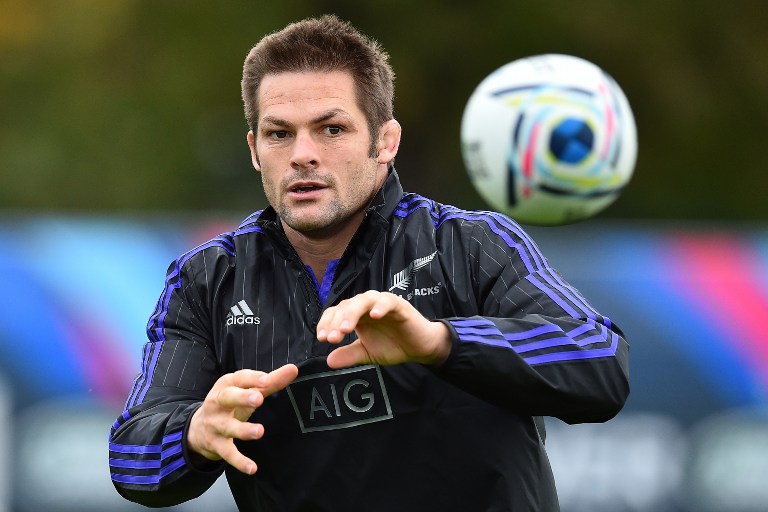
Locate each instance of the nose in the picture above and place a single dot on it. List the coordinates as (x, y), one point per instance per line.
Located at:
(305, 151)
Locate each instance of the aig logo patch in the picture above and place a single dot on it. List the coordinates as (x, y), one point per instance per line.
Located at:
(340, 399)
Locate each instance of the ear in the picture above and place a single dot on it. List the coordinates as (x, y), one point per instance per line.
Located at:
(254, 154)
(389, 141)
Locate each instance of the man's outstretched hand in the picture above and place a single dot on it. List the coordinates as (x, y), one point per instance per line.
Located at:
(389, 331)
(223, 417)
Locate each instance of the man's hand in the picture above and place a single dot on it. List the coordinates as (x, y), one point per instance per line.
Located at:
(224, 414)
(389, 331)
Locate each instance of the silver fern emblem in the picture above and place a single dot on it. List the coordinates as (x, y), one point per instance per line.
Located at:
(402, 280)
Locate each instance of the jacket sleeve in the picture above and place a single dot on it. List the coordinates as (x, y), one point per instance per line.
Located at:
(535, 344)
(147, 450)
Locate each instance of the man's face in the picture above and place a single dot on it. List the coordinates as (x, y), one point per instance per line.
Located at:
(313, 149)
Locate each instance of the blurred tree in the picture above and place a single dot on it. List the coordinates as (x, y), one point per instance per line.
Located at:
(129, 104)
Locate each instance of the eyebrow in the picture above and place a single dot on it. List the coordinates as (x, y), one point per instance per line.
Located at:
(325, 116)
(336, 112)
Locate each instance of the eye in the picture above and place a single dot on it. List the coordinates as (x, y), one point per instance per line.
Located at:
(278, 134)
(333, 130)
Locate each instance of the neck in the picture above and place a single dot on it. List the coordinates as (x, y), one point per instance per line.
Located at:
(316, 249)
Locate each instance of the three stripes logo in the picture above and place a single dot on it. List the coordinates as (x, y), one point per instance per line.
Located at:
(402, 280)
(241, 314)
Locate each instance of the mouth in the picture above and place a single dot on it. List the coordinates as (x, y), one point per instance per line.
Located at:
(305, 187)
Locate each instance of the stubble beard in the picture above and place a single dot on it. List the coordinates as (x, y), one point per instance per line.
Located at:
(318, 223)
(328, 218)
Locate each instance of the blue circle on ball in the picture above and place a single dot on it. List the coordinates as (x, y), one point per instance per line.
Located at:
(571, 140)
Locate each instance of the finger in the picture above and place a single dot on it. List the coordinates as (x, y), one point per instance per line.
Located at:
(348, 355)
(330, 321)
(232, 455)
(341, 320)
(322, 325)
(233, 397)
(240, 429)
(380, 304)
(211, 436)
(277, 379)
(385, 304)
(246, 378)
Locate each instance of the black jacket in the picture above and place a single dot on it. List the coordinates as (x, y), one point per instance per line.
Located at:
(466, 436)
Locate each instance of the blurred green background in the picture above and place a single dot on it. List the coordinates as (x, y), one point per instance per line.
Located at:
(117, 109)
(124, 105)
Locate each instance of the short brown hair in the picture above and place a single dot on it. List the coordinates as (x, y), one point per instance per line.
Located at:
(323, 44)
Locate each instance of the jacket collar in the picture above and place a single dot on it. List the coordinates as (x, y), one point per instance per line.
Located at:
(362, 246)
(388, 197)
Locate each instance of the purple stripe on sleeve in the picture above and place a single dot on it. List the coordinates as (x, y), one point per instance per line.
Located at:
(548, 343)
(166, 453)
(148, 376)
(479, 330)
(251, 217)
(147, 464)
(489, 330)
(135, 448)
(405, 213)
(170, 438)
(531, 248)
(578, 331)
(529, 251)
(555, 298)
(137, 382)
(486, 341)
(134, 464)
(170, 451)
(532, 258)
(532, 333)
(524, 255)
(472, 322)
(493, 220)
(149, 479)
(575, 355)
(414, 198)
(561, 341)
(249, 229)
(571, 295)
(591, 340)
(147, 351)
(119, 421)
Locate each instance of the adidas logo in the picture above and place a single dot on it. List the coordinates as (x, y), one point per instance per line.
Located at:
(241, 314)
(402, 280)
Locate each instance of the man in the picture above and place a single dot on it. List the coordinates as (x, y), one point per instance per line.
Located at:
(353, 347)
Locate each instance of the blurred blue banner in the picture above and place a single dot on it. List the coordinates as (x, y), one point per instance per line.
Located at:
(78, 291)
